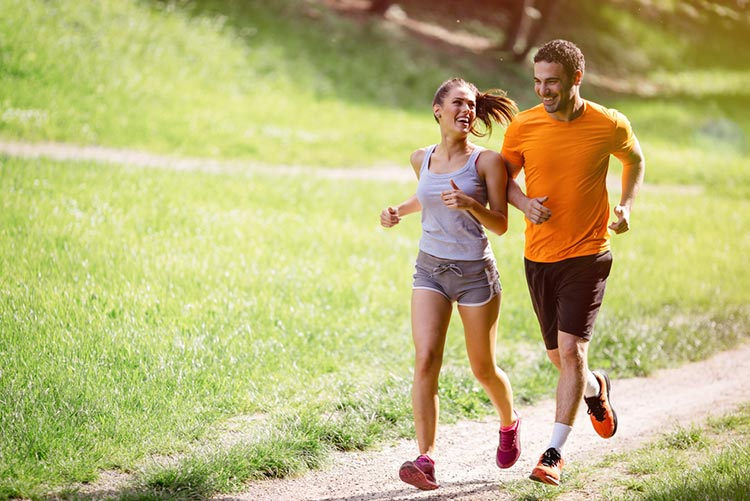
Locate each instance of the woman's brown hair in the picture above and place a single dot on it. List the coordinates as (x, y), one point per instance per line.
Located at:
(492, 105)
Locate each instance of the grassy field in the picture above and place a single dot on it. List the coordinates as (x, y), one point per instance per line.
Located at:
(241, 83)
(715, 456)
(708, 461)
(140, 309)
(144, 307)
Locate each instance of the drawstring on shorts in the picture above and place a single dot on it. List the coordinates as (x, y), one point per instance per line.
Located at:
(447, 267)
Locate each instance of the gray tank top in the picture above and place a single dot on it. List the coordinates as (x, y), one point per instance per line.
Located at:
(450, 233)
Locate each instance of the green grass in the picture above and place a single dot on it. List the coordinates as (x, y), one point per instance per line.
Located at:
(694, 140)
(215, 79)
(141, 310)
(144, 306)
(708, 461)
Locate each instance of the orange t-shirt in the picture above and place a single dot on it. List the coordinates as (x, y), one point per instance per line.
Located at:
(568, 162)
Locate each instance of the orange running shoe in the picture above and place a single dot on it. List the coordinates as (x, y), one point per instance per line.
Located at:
(603, 416)
(549, 468)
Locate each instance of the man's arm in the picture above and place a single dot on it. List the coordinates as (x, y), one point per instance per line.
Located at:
(633, 170)
(533, 208)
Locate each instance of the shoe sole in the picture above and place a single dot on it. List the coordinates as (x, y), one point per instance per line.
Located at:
(505, 466)
(609, 402)
(544, 479)
(416, 477)
(508, 465)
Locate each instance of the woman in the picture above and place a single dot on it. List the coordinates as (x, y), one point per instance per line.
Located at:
(461, 191)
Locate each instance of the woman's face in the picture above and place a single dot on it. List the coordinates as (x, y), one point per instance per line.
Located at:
(458, 110)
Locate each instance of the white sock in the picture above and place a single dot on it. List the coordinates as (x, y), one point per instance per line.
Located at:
(593, 388)
(560, 432)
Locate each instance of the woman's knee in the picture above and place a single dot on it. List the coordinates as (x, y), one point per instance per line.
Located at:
(428, 362)
(485, 370)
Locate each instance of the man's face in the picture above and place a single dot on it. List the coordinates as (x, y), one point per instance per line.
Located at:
(554, 87)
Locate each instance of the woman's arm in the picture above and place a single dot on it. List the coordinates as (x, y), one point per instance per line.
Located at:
(391, 216)
(494, 217)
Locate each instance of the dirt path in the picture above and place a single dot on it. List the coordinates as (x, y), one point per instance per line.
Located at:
(646, 408)
(101, 154)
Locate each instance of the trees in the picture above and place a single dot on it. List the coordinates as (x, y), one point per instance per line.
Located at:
(525, 20)
(705, 29)
(380, 7)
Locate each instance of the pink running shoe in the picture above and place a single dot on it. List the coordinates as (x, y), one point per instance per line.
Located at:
(420, 473)
(509, 449)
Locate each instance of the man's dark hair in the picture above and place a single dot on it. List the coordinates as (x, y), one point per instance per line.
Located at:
(563, 52)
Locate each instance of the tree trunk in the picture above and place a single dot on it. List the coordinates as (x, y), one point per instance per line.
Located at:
(516, 10)
(380, 7)
(546, 10)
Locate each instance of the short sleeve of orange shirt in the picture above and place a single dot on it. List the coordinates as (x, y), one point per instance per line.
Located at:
(568, 162)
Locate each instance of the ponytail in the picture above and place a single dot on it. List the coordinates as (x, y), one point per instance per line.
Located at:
(494, 106)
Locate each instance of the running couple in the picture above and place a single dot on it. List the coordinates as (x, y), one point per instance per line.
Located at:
(563, 145)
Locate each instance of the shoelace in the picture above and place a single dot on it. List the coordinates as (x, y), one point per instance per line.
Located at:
(596, 407)
(448, 267)
(550, 457)
(507, 438)
(425, 466)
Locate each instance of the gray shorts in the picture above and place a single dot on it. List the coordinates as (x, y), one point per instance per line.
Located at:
(470, 283)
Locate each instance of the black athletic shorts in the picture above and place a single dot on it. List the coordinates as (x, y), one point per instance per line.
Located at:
(567, 294)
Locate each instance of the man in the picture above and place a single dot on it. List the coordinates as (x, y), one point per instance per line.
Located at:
(563, 145)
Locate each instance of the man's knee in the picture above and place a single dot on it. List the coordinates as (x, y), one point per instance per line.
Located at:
(571, 348)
